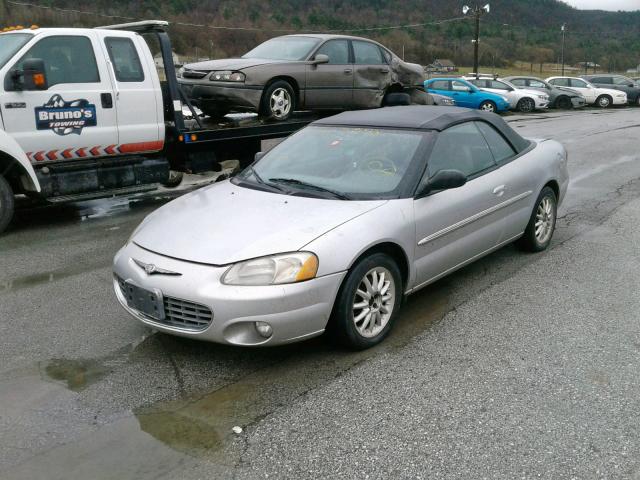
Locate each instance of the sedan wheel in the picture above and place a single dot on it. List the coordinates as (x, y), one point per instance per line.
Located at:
(278, 101)
(542, 223)
(603, 101)
(6, 203)
(526, 105)
(373, 302)
(367, 303)
(488, 106)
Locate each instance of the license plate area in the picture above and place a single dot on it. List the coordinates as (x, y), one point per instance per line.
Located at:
(148, 302)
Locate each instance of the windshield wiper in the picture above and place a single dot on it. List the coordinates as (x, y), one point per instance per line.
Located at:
(300, 183)
(262, 182)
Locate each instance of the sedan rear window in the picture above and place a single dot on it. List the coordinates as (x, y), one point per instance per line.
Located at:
(358, 162)
(284, 48)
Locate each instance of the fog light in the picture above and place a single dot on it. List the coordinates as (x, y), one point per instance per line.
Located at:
(264, 329)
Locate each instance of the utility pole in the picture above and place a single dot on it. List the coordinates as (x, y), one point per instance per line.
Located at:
(477, 12)
(564, 27)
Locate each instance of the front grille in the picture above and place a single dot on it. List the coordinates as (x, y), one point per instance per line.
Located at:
(179, 313)
(193, 74)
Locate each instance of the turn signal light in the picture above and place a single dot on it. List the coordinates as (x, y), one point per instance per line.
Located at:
(38, 80)
(194, 137)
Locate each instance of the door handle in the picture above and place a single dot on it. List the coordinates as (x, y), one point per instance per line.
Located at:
(107, 100)
(499, 190)
(348, 71)
(384, 70)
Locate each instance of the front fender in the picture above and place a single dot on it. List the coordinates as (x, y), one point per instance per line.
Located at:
(10, 147)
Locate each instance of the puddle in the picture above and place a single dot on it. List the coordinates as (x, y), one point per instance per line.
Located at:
(77, 374)
(201, 425)
(27, 281)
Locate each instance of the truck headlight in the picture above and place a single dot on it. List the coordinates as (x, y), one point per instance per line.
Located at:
(227, 76)
(273, 270)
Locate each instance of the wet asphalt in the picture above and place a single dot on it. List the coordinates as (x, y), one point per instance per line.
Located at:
(518, 366)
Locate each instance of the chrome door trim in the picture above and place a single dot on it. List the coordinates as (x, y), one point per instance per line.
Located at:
(473, 218)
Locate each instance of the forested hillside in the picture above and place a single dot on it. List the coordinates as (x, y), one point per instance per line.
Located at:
(514, 29)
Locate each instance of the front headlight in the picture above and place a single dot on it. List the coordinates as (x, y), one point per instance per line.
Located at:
(273, 270)
(227, 76)
(543, 97)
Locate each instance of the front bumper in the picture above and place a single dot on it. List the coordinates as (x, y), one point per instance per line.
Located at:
(578, 102)
(216, 96)
(541, 104)
(294, 311)
(620, 100)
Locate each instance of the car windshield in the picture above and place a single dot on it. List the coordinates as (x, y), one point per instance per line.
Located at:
(10, 44)
(284, 48)
(340, 162)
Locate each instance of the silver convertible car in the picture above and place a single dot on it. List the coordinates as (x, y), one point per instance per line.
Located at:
(330, 230)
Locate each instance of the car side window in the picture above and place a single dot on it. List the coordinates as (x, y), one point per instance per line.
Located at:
(519, 82)
(622, 81)
(125, 60)
(578, 83)
(499, 147)
(67, 59)
(499, 85)
(439, 85)
(560, 82)
(367, 53)
(337, 51)
(459, 86)
(536, 84)
(601, 80)
(461, 147)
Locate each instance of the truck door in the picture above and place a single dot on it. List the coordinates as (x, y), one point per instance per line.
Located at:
(74, 117)
(140, 117)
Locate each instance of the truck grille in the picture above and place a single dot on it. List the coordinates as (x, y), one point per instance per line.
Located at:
(179, 313)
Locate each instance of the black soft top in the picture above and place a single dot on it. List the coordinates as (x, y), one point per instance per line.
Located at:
(423, 117)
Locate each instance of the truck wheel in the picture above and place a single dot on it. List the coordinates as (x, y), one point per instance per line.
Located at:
(278, 101)
(175, 179)
(6, 203)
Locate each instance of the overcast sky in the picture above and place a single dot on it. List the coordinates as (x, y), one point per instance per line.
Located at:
(605, 4)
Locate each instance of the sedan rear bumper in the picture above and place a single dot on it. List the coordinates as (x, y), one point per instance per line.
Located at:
(294, 311)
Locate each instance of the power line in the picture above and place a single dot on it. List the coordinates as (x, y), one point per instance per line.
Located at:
(252, 29)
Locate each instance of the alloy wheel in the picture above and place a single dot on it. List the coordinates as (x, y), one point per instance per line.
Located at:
(545, 219)
(487, 107)
(374, 302)
(527, 105)
(603, 102)
(280, 103)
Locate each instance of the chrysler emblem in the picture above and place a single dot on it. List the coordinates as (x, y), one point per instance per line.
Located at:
(151, 269)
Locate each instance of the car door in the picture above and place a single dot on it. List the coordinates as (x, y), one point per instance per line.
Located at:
(462, 94)
(74, 117)
(140, 128)
(457, 225)
(584, 89)
(330, 85)
(371, 74)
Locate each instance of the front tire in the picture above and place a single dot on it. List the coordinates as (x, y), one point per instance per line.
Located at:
(526, 105)
(564, 103)
(488, 106)
(604, 101)
(175, 179)
(278, 101)
(368, 302)
(542, 223)
(6, 203)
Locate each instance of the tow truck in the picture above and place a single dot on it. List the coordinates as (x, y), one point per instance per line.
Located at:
(85, 115)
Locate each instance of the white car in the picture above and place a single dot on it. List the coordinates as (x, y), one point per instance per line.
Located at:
(522, 100)
(602, 97)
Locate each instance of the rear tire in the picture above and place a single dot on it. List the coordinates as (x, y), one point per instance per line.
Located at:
(488, 106)
(368, 302)
(564, 103)
(395, 99)
(526, 105)
(7, 204)
(175, 179)
(604, 101)
(542, 223)
(278, 101)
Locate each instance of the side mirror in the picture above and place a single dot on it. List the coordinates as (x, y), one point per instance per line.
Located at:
(258, 156)
(34, 76)
(320, 58)
(445, 180)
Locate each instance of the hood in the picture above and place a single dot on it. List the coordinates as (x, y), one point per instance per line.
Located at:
(224, 223)
(230, 64)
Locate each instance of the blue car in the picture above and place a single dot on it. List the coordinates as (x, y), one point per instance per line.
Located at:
(466, 94)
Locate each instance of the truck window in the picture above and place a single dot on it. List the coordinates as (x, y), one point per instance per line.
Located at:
(67, 59)
(124, 57)
(10, 43)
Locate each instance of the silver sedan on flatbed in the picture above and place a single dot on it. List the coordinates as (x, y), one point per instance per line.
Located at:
(334, 226)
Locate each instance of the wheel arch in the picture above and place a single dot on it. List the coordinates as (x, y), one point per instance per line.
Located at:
(15, 166)
(395, 251)
(553, 184)
(287, 78)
